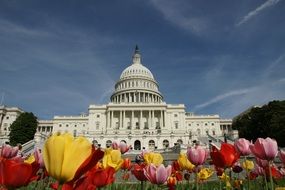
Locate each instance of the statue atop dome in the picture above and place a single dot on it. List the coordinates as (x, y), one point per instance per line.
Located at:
(137, 56)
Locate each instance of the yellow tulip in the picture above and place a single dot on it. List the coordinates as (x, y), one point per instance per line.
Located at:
(30, 159)
(63, 155)
(248, 165)
(112, 158)
(153, 158)
(205, 174)
(225, 178)
(184, 163)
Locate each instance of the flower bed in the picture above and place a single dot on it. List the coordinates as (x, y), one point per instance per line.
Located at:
(74, 163)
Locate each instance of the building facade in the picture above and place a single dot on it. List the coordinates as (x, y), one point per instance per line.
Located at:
(138, 115)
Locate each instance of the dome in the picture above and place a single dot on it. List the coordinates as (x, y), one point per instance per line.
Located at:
(136, 84)
(136, 70)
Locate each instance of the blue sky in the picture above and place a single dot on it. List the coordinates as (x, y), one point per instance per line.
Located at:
(216, 57)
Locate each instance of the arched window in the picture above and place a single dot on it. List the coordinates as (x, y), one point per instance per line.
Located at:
(151, 144)
(95, 143)
(108, 143)
(179, 141)
(165, 143)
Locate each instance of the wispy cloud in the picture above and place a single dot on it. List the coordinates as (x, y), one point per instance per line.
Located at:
(173, 12)
(257, 11)
(222, 97)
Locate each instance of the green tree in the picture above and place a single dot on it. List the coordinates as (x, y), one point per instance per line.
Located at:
(23, 128)
(265, 121)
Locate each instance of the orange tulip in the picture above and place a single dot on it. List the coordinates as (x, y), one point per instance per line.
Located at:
(127, 164)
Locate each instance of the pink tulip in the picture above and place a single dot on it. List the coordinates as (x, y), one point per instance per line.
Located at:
(282, 156)
(157, 175)
(8, 151)
(261, 163)
(123, 147)
(39, 157)
(265, 149)
(242, 146)
(258, 170)
(197, 155)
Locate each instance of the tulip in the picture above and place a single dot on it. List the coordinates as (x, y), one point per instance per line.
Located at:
(261, 163)
(242, 146)
(282, 156)
(184, 163)
(138, 172)
(126, 164)
(197, 155)
(8, 151)
(248, 165)
(171, 183)
(237, 168)
(15, 173)
(205, 174)
(39, 157)
(225, 157)
(67, 158)
(157, 175)
(153, 158)
(265, 149)
(96, 177)
(123, 147)
(112, 158)
(175, 166)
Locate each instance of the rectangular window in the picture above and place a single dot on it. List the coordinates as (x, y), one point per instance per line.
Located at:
(176, 125)
(97, 125)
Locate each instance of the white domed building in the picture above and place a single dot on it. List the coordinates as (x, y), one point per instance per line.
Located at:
(138, 115)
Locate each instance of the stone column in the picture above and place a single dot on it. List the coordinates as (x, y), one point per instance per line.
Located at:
(132, 120)
(111, 120)
(121, 119)
(107, 120)
(149, 119)
(140, 123)
(152, 118)
(161, 119)
(164, 119)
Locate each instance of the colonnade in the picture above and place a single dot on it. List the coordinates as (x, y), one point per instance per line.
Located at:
(129, 115)
(136, 97)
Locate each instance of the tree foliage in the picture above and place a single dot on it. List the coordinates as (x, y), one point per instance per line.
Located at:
(23, 128)
(265, 121)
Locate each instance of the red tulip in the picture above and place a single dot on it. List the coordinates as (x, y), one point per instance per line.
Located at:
(16, 173)
(175, 166)
(138, 172)
(225, 157)
(242, 146)
(265, 149)
(96, 178)
(126, 164)
(197, 155)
